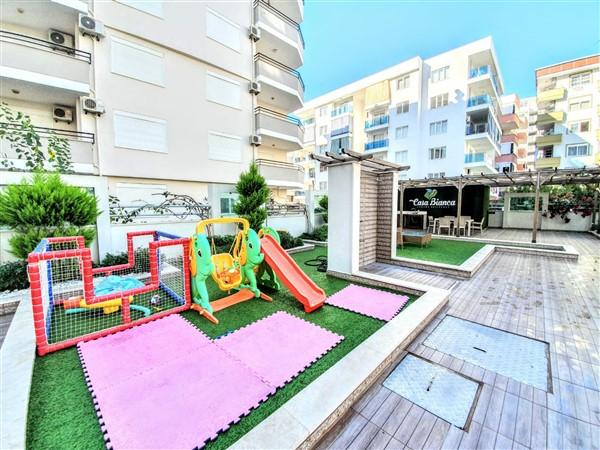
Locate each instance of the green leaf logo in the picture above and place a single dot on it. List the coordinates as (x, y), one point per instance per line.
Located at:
(430, 193)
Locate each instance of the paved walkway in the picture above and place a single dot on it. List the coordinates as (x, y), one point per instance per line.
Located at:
(4, 324)
(551, 299)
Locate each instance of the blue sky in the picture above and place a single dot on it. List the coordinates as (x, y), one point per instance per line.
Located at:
(347, 40)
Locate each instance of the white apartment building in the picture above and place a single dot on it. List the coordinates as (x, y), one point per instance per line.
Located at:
(514, 146)
(158, 96)
(440, 115)
(565, 131)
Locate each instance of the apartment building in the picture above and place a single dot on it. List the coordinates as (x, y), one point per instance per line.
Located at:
(514, 121)
(566, 117)
(440, 115)
(158, 96)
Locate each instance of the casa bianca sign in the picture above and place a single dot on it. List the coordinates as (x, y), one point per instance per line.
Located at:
(430, 200)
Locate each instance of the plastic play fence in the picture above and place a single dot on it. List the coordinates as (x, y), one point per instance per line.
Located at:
(74, 302)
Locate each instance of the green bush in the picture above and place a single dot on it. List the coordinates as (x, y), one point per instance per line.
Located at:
(13, 276)
(254, 193)
(319, 234)
(141, 257)
(45, 206)
(323, 207)
(288, 241)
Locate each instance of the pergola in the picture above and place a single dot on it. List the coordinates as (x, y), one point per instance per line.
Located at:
(536, 178)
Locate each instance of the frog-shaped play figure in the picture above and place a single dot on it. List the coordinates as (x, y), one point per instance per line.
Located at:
(251, 259)
(201, 267)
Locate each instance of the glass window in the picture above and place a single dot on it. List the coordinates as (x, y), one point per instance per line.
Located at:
(438, 101)
(440, 74)
(402, 132)
(227, 201)
(323, 185)
(439, 127)
(437, 153)
(582, 126)
(580, 103)
(403, 82)
(523, 203)
(323, 130)
(321, 149)
(311, 172)
(322, 111)
(578, 150)
(401, 156)
(402, 108)
(581, 79)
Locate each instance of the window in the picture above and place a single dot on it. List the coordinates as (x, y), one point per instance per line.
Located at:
(438, 101)
(153, 7)
(323, 185)
(321, 149)
(322, 111)
(224, 147)
(440, 74)
(140, 132)
(439, 127)
(323, 130)
(322, 168)
(311, 172)
(580, 103)
(436, 175)
(581, 79)
(401, 156)
(402, 107)
(523, 203)
(135, 61)
(578, 150)
(309, 121)
(227, 201)
(403, 82)
(223, 90)
(402, 132)
(437, 153)
(582, 126)
(222, 30)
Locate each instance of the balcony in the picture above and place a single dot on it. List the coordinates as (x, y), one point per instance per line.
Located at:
(482, 136)
(340, 131)
(281, 174)
(479, 100)
(377, 123)
(80, 143)
(506, 159)
(280, 36)
(374, 145)
(510, 122)
(346, 108)
(521, 153)
(484, 77)
(546, 117)
(550, 95)
(479, 162)
(281, 86)
(548, 137)
(294, 9)
(278, 130)
(547, 163)
(30, 64)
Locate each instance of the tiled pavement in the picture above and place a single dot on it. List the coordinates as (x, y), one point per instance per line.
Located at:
(554, 300)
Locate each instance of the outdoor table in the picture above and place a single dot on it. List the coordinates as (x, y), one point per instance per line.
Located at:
(467, 222)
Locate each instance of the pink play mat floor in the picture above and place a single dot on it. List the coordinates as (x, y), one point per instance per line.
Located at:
(369, 302)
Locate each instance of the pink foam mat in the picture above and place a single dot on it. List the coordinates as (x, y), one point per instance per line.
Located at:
(279, 346)
(369, 302)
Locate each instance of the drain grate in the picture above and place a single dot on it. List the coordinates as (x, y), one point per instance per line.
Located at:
(440, 391)
(517, 357)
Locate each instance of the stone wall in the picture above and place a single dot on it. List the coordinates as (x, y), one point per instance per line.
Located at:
(385, 210)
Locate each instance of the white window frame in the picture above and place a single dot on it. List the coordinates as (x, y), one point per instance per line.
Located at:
(403, 82)
(585, 145)
(140, 117)
(323, 130)
(225, 135)
(577, 124)
(403, 107)
(436, 153)
(401, 132)
(323, 111)
(141, 48)
(438, 127)
(403, 159)
(438, 101)
(237, 49)
(228, 80)
(140, 7)
(581, 79)
(578, 101)
(440, 74)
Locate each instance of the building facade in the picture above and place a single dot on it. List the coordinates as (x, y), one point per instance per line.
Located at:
(439, 115)
(565, 131)
(158, 96)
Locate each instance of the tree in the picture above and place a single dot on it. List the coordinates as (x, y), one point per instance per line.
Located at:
(25, 141)
(323, 207)
(254, 193)
(45, 206)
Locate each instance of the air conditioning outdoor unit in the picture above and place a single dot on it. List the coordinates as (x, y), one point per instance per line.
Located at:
(254, 87)
(63, 41)
(254, 33)
(255, 139)
(92, 106)
(90, 26)
(62, 113)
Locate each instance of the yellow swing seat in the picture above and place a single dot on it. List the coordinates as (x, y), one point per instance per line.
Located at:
(226, 274)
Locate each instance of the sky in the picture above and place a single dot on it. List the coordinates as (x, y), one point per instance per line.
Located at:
(348, 39)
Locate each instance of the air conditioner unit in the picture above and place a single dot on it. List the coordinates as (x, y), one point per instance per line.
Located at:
(254, 87)
(255, 139)
(90, 26)
(254, 33)
(92, 106)
(63, 41)
(62, 113)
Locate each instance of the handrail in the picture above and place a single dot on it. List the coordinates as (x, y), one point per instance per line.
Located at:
(376, 121)
(278, 115)
(380, 143)
(282, 16)
(46, 132)
(282, 164)
(261, 57)
(68, 51)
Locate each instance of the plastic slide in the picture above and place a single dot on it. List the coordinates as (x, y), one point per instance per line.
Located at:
(286, 269)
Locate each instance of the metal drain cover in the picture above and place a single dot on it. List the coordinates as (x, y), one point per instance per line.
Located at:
(440, 391)
(517, 357)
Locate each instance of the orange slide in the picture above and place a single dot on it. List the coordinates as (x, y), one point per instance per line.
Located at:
(286, 269)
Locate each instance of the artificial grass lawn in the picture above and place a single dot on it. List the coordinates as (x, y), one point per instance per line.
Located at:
(441, 250)
(61, 413)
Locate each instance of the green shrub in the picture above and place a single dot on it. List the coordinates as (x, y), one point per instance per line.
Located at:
(254, 193)
(141, 257)
(288, 241)
(45, 206)
(318, 234)
(323, 207)
(13, 276)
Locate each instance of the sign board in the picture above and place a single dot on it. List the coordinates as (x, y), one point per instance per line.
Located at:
(443, 201)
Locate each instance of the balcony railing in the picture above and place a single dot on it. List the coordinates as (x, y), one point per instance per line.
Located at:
(286, 75)
(478, 158)
(484, 70)
(377, 121)
(483, 99)
(477, 128)
(345, 108)
(276, 121)
(9, 36)
(280, 170)
(289, 27)
(380, 143)
(340, 131)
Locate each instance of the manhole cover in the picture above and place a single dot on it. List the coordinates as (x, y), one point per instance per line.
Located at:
(440, 391)
(517, 357)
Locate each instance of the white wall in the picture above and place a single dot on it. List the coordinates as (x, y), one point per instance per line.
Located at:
(295, 225)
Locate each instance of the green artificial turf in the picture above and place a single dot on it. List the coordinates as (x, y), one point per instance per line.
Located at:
(441, 250)
(61, 413)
